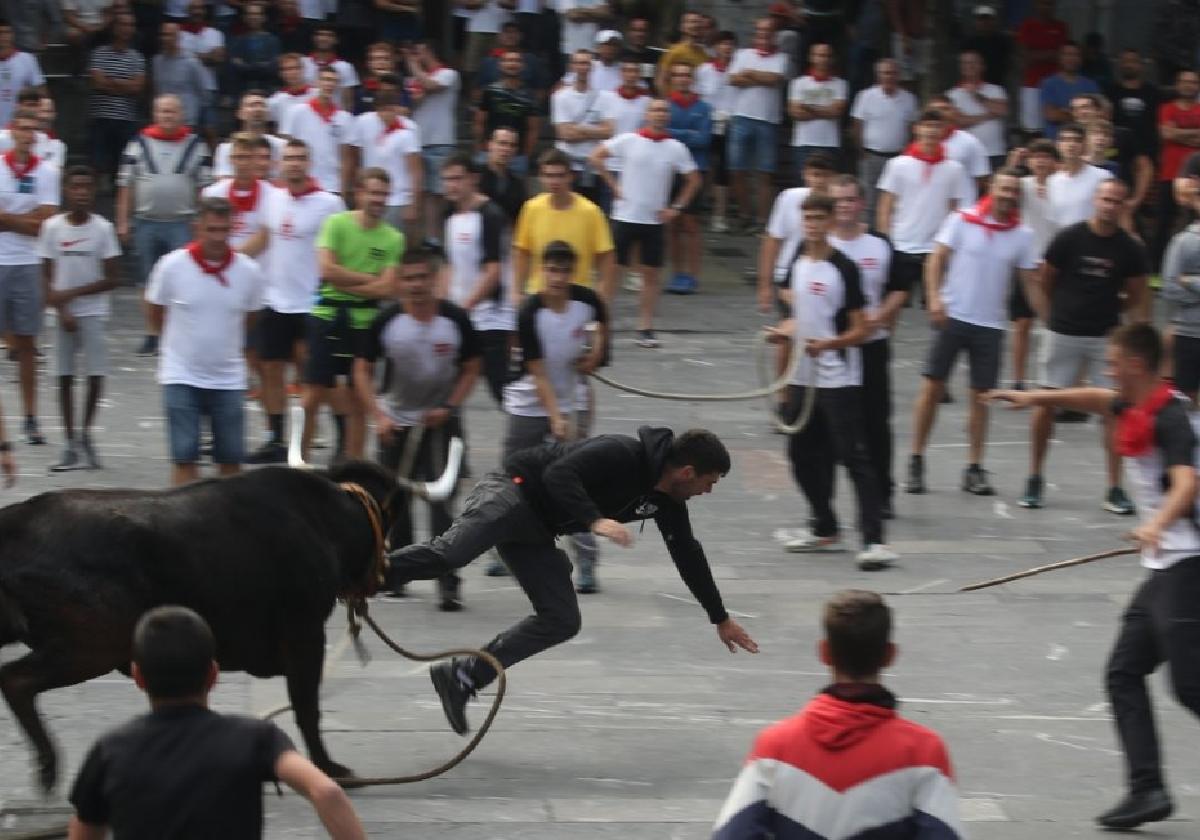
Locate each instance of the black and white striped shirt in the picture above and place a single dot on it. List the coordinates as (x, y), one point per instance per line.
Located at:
(123, 64)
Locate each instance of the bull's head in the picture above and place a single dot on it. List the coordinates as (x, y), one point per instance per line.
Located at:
(435, 491)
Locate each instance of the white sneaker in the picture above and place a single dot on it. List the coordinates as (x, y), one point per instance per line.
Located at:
(810, 543)
(719, 225)
(633, 282)
(876, 557)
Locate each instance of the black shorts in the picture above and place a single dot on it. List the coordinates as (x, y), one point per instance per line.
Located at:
(332, 347)
(719, 161)
(1185, 351)
(648, 238)
(278, 334)
(1018, 304)
(983, 346)
(910, 272)
(693, 207)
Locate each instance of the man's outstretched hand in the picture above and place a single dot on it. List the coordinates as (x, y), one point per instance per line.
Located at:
(734, 637)
(612, 530)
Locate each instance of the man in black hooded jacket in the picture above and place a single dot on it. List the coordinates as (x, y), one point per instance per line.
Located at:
(563, 488)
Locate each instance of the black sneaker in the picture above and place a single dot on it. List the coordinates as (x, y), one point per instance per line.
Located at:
(1138, 808)
(975, 480)
(449, 595)
(1066, 415)
(271, 452)
(916, 475)
(453, 693)
(149, 346)
(32, 435)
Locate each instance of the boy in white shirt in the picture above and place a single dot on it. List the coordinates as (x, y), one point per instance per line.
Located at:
(1073, 187)
(80, 257)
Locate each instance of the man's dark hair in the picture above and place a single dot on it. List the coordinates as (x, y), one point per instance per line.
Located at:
(1043, 146)
(29, 95)
(214, 206)
(1072, 128)
(930, 115)
(858, 627)
(78, 171)
(418, 256)
(559, 253)
(461, 159)
(1141, 341)
(820, 160)
(386, 98)
(726, 35)
(252, 92)
(819, 203)
(296, 143)
(174, 649)
(554, 157)
(390, 79)
(325, 27)
(1010, 172)
(701, 450)
(372, 173)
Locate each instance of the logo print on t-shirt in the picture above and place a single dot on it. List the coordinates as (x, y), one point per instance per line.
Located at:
(442, 348)
(67, 243)
(817, 287)
(869, 262)
(286, 228)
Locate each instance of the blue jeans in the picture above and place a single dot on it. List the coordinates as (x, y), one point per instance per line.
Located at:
(153, 240)
(752, 145)
(225, 409)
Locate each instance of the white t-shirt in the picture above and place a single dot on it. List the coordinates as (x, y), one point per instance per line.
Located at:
(714, 88)
(223, 166)
(347, 75)
(603, 76)
(37, 188)
(873, 256)
(473, 239)
(577, 36)
(1071, 195)
(293, 223)
(967, 150)
(435, 112)
(79, 252)
(786, 224)
(49, 149)
(823, 293)
(650, 167)
(557, 339)
(489, 18)
(627, 115)
(979, 278)
(280, 102)
(17, 72)
(204, 41)
(589, 107)
(808, 91)
(989, 132)
(388, 150)
(759, 103)
(1038, 212)
(325, 139)
(924, 195)
(205, 327)
(886, 119)
(245, 223)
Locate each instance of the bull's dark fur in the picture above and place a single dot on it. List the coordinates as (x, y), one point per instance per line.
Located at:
(262, 556)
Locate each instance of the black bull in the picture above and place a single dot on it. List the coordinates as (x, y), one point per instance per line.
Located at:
(262, 556)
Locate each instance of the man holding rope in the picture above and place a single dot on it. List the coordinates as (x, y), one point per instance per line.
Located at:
(1162, 622)
(564, 488)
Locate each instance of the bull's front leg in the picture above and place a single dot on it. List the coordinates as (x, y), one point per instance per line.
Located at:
(305, 661)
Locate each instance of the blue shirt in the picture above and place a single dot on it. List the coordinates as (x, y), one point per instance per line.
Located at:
(1057, 91)
(693, 128)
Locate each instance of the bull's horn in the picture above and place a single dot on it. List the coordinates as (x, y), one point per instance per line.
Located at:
(440, 490)
(296, 439)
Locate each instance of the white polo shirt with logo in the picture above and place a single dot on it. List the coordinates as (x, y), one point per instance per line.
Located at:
(388, 148)
(650, 167)
(979, 274)
(873, 256)
(23, 189)
(292, 223)
(205, 327)
(79, 252)
(924, 194)
(325, 137)
(806, 90)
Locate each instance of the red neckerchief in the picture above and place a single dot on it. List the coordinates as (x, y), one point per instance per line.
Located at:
(217, 270)
(155, 132)
(51, 135)
(498, 52)
(684, 100)
(310, 186)
(371, 83)
(719, 66)
(395, 125)
(765, 53)
(656, 136)
(194, 28)
(326, 114)
(636, 93)
(1135, 425)
(244, 201)
(298, 91)
(19, 170)
(930, 161)
(322, 64)
(819, 77)
(979, 216)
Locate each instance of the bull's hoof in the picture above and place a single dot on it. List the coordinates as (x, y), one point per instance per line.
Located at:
(47, 773)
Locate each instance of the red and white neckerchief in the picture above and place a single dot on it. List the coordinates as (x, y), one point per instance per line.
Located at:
(20, 170)
(635, 93)
(244, 201)
(324, 112)
(1135, 425)
(298, 91)
(155, 132)
(651, 134)
(719, 66)
(981, 214)
(194, 28)
(765, 53)
(215, 270)
(930, 160)
(310, 186)
(397, 124)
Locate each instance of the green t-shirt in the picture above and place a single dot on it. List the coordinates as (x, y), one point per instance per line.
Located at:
(368, 251)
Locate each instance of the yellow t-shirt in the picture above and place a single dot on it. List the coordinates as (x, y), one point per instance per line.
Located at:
(682, 53)
(582, 226)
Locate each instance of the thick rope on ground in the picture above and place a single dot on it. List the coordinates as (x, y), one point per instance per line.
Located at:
(1050, 567)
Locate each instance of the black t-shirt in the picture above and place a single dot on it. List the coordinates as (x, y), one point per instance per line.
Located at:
(183, 772)
(507, 191)
(509, 108)
(1136, 109)
(1092, 271)
(1174, 435)
(1121, 155)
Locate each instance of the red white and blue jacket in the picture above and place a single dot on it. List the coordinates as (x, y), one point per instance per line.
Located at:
(847, 767)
